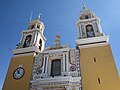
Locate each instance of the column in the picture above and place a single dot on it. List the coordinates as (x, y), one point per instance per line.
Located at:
(67, 62)
(22, 37)
(35, 37)
(76, 88)
(79, 30)
(49, 67)
(99, 26)
(46, 64)
(32, 39)
(63, 62)
(68, 87)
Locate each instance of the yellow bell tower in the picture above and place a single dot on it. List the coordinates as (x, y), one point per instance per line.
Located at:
(20, 69)
(98, 69)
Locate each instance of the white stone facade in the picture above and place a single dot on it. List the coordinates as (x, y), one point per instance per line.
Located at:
(70, 70)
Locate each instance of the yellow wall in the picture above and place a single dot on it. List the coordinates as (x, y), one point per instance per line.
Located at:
(104, 68)
(23, 83)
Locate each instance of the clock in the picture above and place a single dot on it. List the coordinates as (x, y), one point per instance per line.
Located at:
(18, 73)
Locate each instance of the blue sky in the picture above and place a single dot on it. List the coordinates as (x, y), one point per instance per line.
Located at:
(59, 17)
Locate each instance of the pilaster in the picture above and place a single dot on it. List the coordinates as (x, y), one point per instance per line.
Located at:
(68, 87)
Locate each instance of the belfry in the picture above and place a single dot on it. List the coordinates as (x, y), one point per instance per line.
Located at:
(98, 70)
(89, 66)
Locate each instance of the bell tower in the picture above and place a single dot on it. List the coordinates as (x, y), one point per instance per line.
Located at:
(98, 70)
(89, 29)
(33, 37)
(20, 69)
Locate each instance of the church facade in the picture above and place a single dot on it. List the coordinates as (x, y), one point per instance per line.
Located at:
(89, 66)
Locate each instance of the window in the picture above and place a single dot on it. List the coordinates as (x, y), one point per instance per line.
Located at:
(86, 17)
(40, 42)
(99, 80)
(56, 67)
(32, 26)
(38, 26)
(94, 59)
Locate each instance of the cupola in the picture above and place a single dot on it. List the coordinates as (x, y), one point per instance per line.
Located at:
(86, 13)
(36, 24)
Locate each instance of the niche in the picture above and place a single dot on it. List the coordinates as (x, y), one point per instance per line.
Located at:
(90, 31)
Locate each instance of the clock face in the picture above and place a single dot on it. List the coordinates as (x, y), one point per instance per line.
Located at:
(18, 73)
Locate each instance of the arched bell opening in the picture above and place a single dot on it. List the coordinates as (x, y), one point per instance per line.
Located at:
(40, 42)
(90, 31)
(27, 41)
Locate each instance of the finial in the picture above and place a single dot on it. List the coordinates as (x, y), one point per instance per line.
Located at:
(84, 7)
(38, 18)
(57, 41)
(57, 36)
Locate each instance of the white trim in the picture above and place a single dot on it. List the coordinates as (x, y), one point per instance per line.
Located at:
(94, 45)
(53, 51)
(87, 20)
(27, 49)
(57, 79)
(92, 42)
(33, 30)
(27, 54)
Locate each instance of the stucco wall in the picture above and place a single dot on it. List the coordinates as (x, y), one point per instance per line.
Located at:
(23, 83)
(98, 69)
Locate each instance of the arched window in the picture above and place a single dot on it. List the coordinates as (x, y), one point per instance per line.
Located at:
(32, 27)
(27, 41)
(99, 81)
(90, 31)
(40, 42)
(38, 26)
(86, 17)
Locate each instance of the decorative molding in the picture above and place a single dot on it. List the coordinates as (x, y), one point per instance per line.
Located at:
(26, 50)
(91, 42)
(54, 82)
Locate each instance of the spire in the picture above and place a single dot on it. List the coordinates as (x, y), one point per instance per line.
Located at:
(84, 6)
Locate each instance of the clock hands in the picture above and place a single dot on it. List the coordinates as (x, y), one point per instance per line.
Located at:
(18, 73)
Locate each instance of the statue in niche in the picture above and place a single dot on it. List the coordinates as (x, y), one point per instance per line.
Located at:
(90, 31)
(27, 41)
